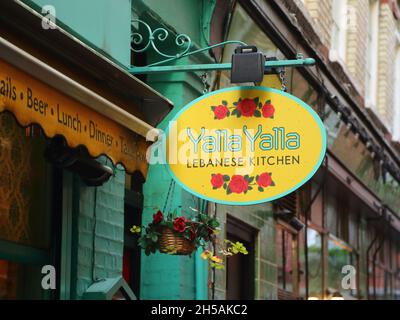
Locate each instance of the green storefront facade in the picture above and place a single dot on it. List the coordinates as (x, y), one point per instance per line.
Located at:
(89, 240)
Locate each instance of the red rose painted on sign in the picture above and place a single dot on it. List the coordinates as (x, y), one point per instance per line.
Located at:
(238, 184)
(247, 107)
(217, 180)
(180, 224)
(158, 217)
(242, 184)
(220, 112)
(264, 180)
(268, 110)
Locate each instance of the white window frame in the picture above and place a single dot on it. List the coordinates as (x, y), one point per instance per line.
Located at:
(339, 31)
(396, 93)
(371, 75)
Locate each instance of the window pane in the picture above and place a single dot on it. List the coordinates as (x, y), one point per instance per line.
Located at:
(285, 259)
(24, 187)
(339, 255)
(315, 274)
(20, 281)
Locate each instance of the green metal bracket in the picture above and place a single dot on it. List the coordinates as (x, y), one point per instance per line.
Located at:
(218, 66)
(184, 42)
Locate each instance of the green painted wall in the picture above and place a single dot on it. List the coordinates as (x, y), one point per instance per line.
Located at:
(260, 217)
(104, 23)
(99, 232)
(164, 276)
(187, 16)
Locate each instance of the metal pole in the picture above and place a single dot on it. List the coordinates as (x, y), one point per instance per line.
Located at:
(218, 66)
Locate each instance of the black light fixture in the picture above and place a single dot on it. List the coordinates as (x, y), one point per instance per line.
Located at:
(289, 218)
(247, 65)
(78, 161)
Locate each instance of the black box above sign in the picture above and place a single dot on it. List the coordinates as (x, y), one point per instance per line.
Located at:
(247, 65)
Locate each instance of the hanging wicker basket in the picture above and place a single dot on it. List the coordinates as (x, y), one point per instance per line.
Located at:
(174, 243)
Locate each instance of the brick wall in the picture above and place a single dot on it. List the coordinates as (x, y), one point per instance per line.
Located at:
(356, 47)
(386, 58)
(357, 33)
(320, 12)
(100, 232)
(266, 270)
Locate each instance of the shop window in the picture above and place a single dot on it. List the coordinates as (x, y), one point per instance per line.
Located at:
(133, 216)
(396, 292)
(30, 207)
(315, 270)
(285, 244)
(339, 255)
(240, 268)
(380, 284)
(20, 281)
(25, 189)
(396, 123)
(339, 30)
(371, 70)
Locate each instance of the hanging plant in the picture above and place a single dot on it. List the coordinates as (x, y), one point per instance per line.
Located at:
(177, 235)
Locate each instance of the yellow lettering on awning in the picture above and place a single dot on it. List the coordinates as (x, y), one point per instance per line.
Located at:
(32, 101)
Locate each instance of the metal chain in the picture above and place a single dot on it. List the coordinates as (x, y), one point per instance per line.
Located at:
(204, 79)
(168, 194)
(282, 77)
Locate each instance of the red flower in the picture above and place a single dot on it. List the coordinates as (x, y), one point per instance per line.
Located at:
(217, 180)
(220, 112)
(268, 110)
(210, 231)
(247, 107)
(264, 180)
(238, 184)
(158, 217)
(180, 224)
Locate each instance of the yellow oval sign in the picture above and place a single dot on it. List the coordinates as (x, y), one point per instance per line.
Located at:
(244, 145)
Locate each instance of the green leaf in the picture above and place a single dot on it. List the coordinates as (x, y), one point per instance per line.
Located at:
(257, 113)
(228, 191)
(260, 189)
(268, 102)
(226, 177)
(251, 179)
(260, 105)
(246, 176)
(212, 108)
(224, 103)
(228, 114)
(272, 184)
(256, 100)
(215, 118)
(154, 237)
(235, 104)
(250, 188)
(225, 186)
(214, 224)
